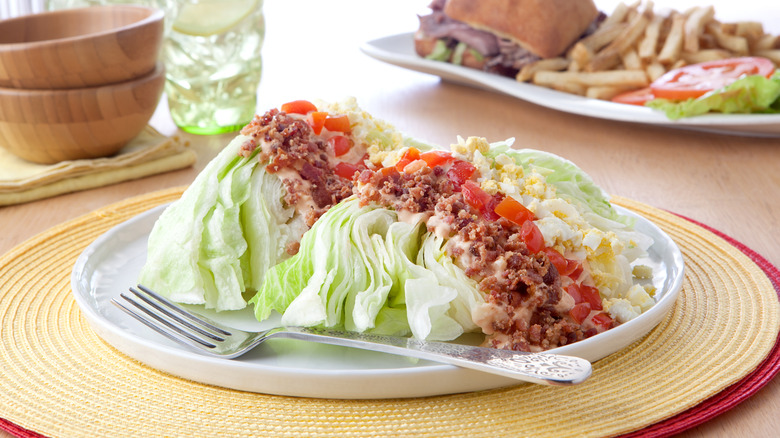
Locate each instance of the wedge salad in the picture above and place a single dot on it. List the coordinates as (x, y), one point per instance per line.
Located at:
(330, 217)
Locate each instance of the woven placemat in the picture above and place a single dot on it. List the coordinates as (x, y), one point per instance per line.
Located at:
(60, 379)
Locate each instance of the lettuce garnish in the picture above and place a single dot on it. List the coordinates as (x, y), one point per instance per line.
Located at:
(749, 94)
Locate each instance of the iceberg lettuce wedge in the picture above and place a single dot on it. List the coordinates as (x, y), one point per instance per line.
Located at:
(361, 269)
(569, 180)
(222, 235)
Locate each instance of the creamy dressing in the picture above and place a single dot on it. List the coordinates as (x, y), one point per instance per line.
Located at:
(438, 226)
(408, 217)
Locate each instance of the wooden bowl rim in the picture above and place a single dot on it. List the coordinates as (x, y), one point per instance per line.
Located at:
(154, 15)
(157, 72)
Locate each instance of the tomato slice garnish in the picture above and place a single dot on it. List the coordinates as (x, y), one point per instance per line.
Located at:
(480, 200)
(436, 158)
(338, 124)
(636, 97)
(695, 80)
(532, 237)
(511, 209)
(298, 107)
(341, 145)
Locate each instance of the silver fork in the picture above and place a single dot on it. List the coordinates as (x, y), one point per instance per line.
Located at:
(212, 338)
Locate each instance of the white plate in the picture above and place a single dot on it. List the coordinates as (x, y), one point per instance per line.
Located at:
(287, 367)
(399, 50)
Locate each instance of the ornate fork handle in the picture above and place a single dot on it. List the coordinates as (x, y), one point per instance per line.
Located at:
(544, 368)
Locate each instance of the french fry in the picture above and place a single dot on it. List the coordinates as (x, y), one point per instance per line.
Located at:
(570, 87)
(603, 36)
(694, 26)
(705, 56)
(580, 54)
(655, 70)
(610, 56)
(736, 44)
(623, 78)
(766, 42)
(647, 47)
(670, 52)
(750, 30)
(772, 54)
(554, 64)
(677, 64)
(619, 14)
(631, 60)
(605, 92)
(636, 45)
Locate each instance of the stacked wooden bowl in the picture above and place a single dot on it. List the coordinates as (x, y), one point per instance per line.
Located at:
(78, 83)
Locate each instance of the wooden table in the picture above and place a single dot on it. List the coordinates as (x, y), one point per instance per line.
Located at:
(730, 183)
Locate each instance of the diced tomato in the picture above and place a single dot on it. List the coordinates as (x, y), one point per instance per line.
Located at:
(341, 145)
(338, 124)
(574, 290)
(460, 172)
(532, 237)
(636, 97)
(346, 170)
(436, 158)
(556, 259)
(602, 320)
(694, 80)
(579, 312)
(576, 272)
(318, 121)
(591, 295)
(480, 200)
(409, 155)
(571, 267)
(387, 171)
(298, 107)
(511, 209)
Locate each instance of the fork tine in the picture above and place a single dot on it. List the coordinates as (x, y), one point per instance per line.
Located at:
(183, 334)
(169, 304)
(173, 317)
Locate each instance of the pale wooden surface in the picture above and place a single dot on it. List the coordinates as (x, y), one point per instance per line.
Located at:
(729, 183)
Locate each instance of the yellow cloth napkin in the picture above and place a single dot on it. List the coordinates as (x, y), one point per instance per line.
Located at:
(147, 154)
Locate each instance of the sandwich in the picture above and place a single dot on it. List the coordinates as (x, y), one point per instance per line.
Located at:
(396, 236)
(502, 36)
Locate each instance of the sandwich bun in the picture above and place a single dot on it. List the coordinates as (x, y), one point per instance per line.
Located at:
(544, 27)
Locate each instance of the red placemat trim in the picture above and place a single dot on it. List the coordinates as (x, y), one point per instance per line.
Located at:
(736, 393)
(704, 411)
(18, 431)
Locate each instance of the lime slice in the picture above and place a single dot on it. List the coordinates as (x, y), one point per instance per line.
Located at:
(209, 17)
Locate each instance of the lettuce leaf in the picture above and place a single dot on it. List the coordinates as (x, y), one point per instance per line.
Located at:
(361, 269)
(750, 94)
(570, 181)
(217, 241)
